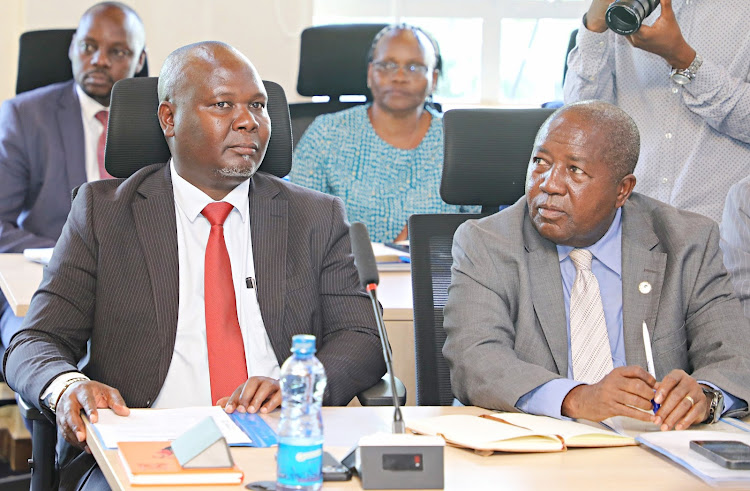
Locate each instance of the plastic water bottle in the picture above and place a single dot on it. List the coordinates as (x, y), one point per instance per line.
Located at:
(303, 381)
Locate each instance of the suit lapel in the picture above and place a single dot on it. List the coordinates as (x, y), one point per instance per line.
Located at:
(547, 293)
(71, 132)
(642, 277)
(156, 226)
(269, 228)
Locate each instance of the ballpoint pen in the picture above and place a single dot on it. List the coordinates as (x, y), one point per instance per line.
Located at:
(649, 360)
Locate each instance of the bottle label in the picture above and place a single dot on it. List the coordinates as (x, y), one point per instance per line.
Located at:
(300, 465)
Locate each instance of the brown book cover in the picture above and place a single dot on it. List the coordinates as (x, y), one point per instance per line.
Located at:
(149, 463)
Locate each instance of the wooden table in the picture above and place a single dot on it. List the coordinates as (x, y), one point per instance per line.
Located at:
(19, 279)
(626, 468)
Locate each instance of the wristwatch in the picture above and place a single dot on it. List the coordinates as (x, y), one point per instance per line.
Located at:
(716, 405)
(683, 76)
(53, 399)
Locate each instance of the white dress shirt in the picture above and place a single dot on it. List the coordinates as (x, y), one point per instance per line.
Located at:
(92, 130)
(188, 380)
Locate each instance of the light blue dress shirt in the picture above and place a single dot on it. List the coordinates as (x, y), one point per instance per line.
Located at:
(606, 265)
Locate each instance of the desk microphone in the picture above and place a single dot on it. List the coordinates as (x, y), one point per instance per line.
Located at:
(397, 460)
(364, 260)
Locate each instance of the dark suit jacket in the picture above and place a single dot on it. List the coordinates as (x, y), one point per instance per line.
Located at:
(42, 158)
(505, 314)
(114, 279)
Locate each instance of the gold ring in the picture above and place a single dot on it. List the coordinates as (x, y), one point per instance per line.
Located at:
(692, 401)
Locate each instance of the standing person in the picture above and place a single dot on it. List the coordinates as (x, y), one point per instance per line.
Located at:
(52, 138)
(735, 240)
(683, 77)
(384, 159)
(549, 297)
(152, 270)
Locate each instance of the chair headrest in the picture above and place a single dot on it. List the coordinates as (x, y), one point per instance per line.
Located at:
(135, 139)
(487, 153)
(333, 60)
(43, 59)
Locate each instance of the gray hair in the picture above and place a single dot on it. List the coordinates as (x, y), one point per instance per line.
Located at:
(623, 143)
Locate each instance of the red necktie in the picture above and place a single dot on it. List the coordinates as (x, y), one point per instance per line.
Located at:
(226, 351)
(103, 117)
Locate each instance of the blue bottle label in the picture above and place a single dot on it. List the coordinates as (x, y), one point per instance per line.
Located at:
(300, 465)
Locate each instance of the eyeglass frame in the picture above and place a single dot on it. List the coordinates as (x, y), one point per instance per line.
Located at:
(391, 68)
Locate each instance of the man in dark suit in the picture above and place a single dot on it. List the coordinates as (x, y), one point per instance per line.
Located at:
(128, 272)
(550, 297)
(49, 137)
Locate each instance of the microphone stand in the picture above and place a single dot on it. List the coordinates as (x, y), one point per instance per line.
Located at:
(398, 422)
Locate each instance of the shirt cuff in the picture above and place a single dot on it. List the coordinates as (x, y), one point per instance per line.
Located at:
(59, 384)
(547, 399)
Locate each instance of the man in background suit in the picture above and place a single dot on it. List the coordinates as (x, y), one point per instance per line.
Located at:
(49, 137)
(128, 273)
(549, 296)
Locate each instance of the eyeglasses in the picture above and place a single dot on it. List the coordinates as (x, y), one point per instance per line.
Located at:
(117, 54)
(391, 68)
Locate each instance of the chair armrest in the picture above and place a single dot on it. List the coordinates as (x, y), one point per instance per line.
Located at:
(29, 411)
(43, 441)
(380, 394)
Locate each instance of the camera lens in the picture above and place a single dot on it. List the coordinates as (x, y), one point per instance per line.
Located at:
(625, 16)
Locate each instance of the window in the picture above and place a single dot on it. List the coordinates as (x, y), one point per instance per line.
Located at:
(495, 52)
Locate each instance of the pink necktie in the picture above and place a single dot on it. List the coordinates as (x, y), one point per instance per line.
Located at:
(226, 351)
(103, 117)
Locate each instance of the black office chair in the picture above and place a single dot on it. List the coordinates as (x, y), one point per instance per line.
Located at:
(332, 62)
(43, 59)
(134, 140)
(486, 155)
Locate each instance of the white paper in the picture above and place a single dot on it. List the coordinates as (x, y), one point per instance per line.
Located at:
(41, 256)
(144, 425)
(676, 446)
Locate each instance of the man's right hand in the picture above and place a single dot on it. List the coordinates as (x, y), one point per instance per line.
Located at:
(614, 395)
(595, 17)
(87, 396)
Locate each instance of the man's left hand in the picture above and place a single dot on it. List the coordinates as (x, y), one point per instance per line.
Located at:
(257, 394)
(664, 38)
(675, 393)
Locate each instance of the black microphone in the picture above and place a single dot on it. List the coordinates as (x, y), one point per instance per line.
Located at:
(364, 260)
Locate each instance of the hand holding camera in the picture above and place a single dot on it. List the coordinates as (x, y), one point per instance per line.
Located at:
(625, 17)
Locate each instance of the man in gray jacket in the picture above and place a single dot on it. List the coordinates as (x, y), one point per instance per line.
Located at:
(550, 297)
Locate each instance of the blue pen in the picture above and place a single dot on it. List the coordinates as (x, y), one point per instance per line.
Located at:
(649, 360)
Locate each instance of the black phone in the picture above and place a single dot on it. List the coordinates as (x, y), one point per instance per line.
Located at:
(730, 454)
(333, 470)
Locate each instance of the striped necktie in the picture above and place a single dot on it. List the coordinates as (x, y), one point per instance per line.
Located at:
(589, 341)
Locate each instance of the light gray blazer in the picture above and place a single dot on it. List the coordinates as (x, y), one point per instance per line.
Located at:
(505, 314)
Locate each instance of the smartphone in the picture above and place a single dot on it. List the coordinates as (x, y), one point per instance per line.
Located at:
(730, 454)
(333, 470)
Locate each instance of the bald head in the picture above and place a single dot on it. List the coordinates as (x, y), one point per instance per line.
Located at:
(188, 66)
(620, 141)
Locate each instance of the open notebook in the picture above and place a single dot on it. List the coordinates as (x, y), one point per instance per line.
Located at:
(516, 432)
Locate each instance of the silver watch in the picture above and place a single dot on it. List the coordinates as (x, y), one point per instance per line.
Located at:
(683, 76)
(716, 405)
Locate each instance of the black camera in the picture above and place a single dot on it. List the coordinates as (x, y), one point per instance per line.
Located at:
(625, 16)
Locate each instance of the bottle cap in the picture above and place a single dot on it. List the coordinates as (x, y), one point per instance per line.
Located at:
(303, 344)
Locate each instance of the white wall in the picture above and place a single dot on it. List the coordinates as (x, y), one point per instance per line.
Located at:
(267, 31)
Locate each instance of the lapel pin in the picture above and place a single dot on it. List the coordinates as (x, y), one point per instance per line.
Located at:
(644, 287)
